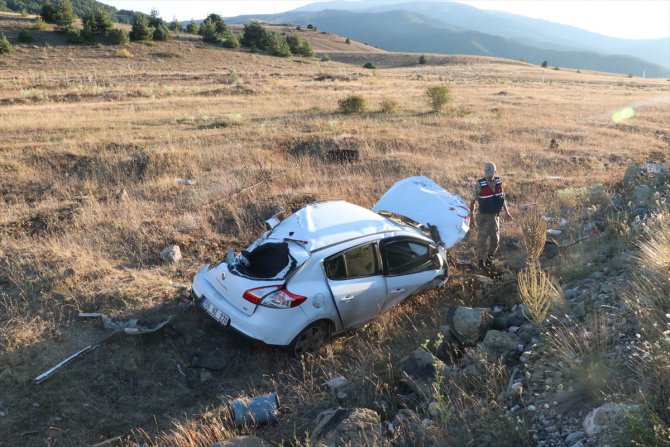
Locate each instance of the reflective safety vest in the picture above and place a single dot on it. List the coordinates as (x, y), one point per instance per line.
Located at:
(490, 201)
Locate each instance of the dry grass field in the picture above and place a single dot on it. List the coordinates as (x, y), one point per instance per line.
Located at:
(94, 144)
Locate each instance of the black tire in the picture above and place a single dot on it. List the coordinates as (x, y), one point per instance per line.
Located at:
(311, 339)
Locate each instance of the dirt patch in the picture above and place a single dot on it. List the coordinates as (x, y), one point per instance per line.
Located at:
(51, 220)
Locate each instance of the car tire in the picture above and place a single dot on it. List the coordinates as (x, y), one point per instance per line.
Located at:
(310, 339)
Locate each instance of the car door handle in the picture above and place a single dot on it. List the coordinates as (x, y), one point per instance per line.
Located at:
(397, 290)
(348, 298)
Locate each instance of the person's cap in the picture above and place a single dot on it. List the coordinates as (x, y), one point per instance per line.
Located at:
(489, 169)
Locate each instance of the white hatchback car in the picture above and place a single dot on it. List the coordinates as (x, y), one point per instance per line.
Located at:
(334, 266)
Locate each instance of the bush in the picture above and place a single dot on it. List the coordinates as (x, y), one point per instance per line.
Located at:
(545, 64)
(74, 36)
(162, 33)
(255, 36)
(347, 41)
(389, 106)
(193, 27)
(438, 96)
(5, 46)
(140, 30)
(25, 37)
(278, 46)
(65, 16)
(298, 46)
(423, 59)
(97, 22)
(117, 36)
(231, 41)
(48, 12)
(175, 26)
(325, 58)
(124, 53)
(352, 104)
(40, 24)
(370, 65)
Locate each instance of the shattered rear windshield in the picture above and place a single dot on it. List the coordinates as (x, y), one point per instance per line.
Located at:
(266, 261)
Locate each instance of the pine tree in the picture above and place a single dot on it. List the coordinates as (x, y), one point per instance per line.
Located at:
(193, 27)
(65, 16)
(140, 30)
(5, 46)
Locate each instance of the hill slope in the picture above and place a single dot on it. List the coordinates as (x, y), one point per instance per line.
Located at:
(405, 31)
(81, 7)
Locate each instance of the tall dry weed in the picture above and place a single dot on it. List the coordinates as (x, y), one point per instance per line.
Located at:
(534, 229)
(539, 292)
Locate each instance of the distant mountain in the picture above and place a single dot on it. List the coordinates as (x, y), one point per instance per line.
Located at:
(457, 28)
(81, 8)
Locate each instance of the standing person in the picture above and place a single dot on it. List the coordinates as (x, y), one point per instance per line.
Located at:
(488, 193)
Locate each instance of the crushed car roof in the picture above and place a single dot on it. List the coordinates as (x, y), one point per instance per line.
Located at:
(326, 223)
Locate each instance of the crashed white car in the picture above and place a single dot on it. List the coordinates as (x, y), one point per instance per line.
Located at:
(334, 266)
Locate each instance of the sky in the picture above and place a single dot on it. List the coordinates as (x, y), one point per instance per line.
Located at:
(628, 19)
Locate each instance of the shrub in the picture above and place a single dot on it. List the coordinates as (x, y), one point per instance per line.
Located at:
(352, 104)
(538, 292)
(192, 27)
(298, 46)
(154, 19)
(140, 30)
(123, 52)
(97, 22)
(255, 35)
(230, 40)
(370, 65)
(162, 33)
(545, 64)
(65, 16)
(423, 59)
(48, 12)
(348, 41)
(325, 57)
(5, 46)
(310, 26)
(438, 96)
(40, 24)
(74, 36)
(175, 26)
(278, 46)
(25, 37)
(534, 235)
(389, 106)
(117, 36)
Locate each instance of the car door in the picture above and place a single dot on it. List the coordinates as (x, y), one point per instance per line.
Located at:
(357, 283)
(410, 266)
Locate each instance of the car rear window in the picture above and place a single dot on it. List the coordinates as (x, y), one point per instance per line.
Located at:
(265, 261)
(356, 262)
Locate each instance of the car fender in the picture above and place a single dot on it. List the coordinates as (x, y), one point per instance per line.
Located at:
(320, 304)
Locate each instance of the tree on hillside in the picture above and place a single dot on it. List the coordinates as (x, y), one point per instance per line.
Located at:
(5, 46)
(217, 21)
(278, 46)
(98, 22)
(154, 19)
(65, 16)
(162, 33)
(192, 27)
(545, 64)
(48, 12)
(298, 46)
(175, 25)
(140, 30)
(255, 36)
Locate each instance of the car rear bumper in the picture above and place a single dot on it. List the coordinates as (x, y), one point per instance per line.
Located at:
(266, 324)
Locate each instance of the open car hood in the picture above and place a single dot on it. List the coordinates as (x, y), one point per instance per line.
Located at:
(427, 203)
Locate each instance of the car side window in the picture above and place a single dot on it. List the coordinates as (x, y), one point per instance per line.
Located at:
(404, 257)
(357, 262)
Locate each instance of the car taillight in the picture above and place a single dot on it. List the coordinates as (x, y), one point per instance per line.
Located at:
(273, 296)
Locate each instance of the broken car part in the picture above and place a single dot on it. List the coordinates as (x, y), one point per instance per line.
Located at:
(257, 410)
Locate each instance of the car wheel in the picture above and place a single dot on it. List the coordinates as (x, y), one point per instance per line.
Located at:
(310, 339)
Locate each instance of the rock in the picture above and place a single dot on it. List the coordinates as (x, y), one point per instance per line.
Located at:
(69, 272)
(639, 212)
(341, 396)
(571, 293)
(500, 323)
(607, 416)
(532, 408)
(468, 325)
(574, 437)
(344, 426)
(410, 430)
(633, 172)
(642, 196)
(435, 409)
(242, 441)
(336, 384)
(171, 254)
(527, 331)
(551, 249)
(577, 444)
(498, 343)
(205, 376)
(419, 370)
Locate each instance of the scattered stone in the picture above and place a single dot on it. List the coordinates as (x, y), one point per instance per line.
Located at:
(336, 384)
(347, 426)
(69, 272)
(418, 370)
(498, 343)
(435, 409)
(341, 395)
(468, 325)
(574, 437)
(532, 408)
(633, 172)
(2, 414)
(606, 416)
(242, 441)
(551, 249)
(171, 254)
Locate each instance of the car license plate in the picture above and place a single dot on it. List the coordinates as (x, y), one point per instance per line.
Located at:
(215, 312)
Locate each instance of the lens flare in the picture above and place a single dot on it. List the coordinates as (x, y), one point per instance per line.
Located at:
(623, 114)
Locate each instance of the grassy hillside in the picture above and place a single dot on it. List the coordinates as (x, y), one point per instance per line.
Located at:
(409, 31)
(111, 153)
(81, 8)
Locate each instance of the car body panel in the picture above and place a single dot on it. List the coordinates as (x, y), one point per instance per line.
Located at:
(401, 286)
(359, 300)
(426, 202)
